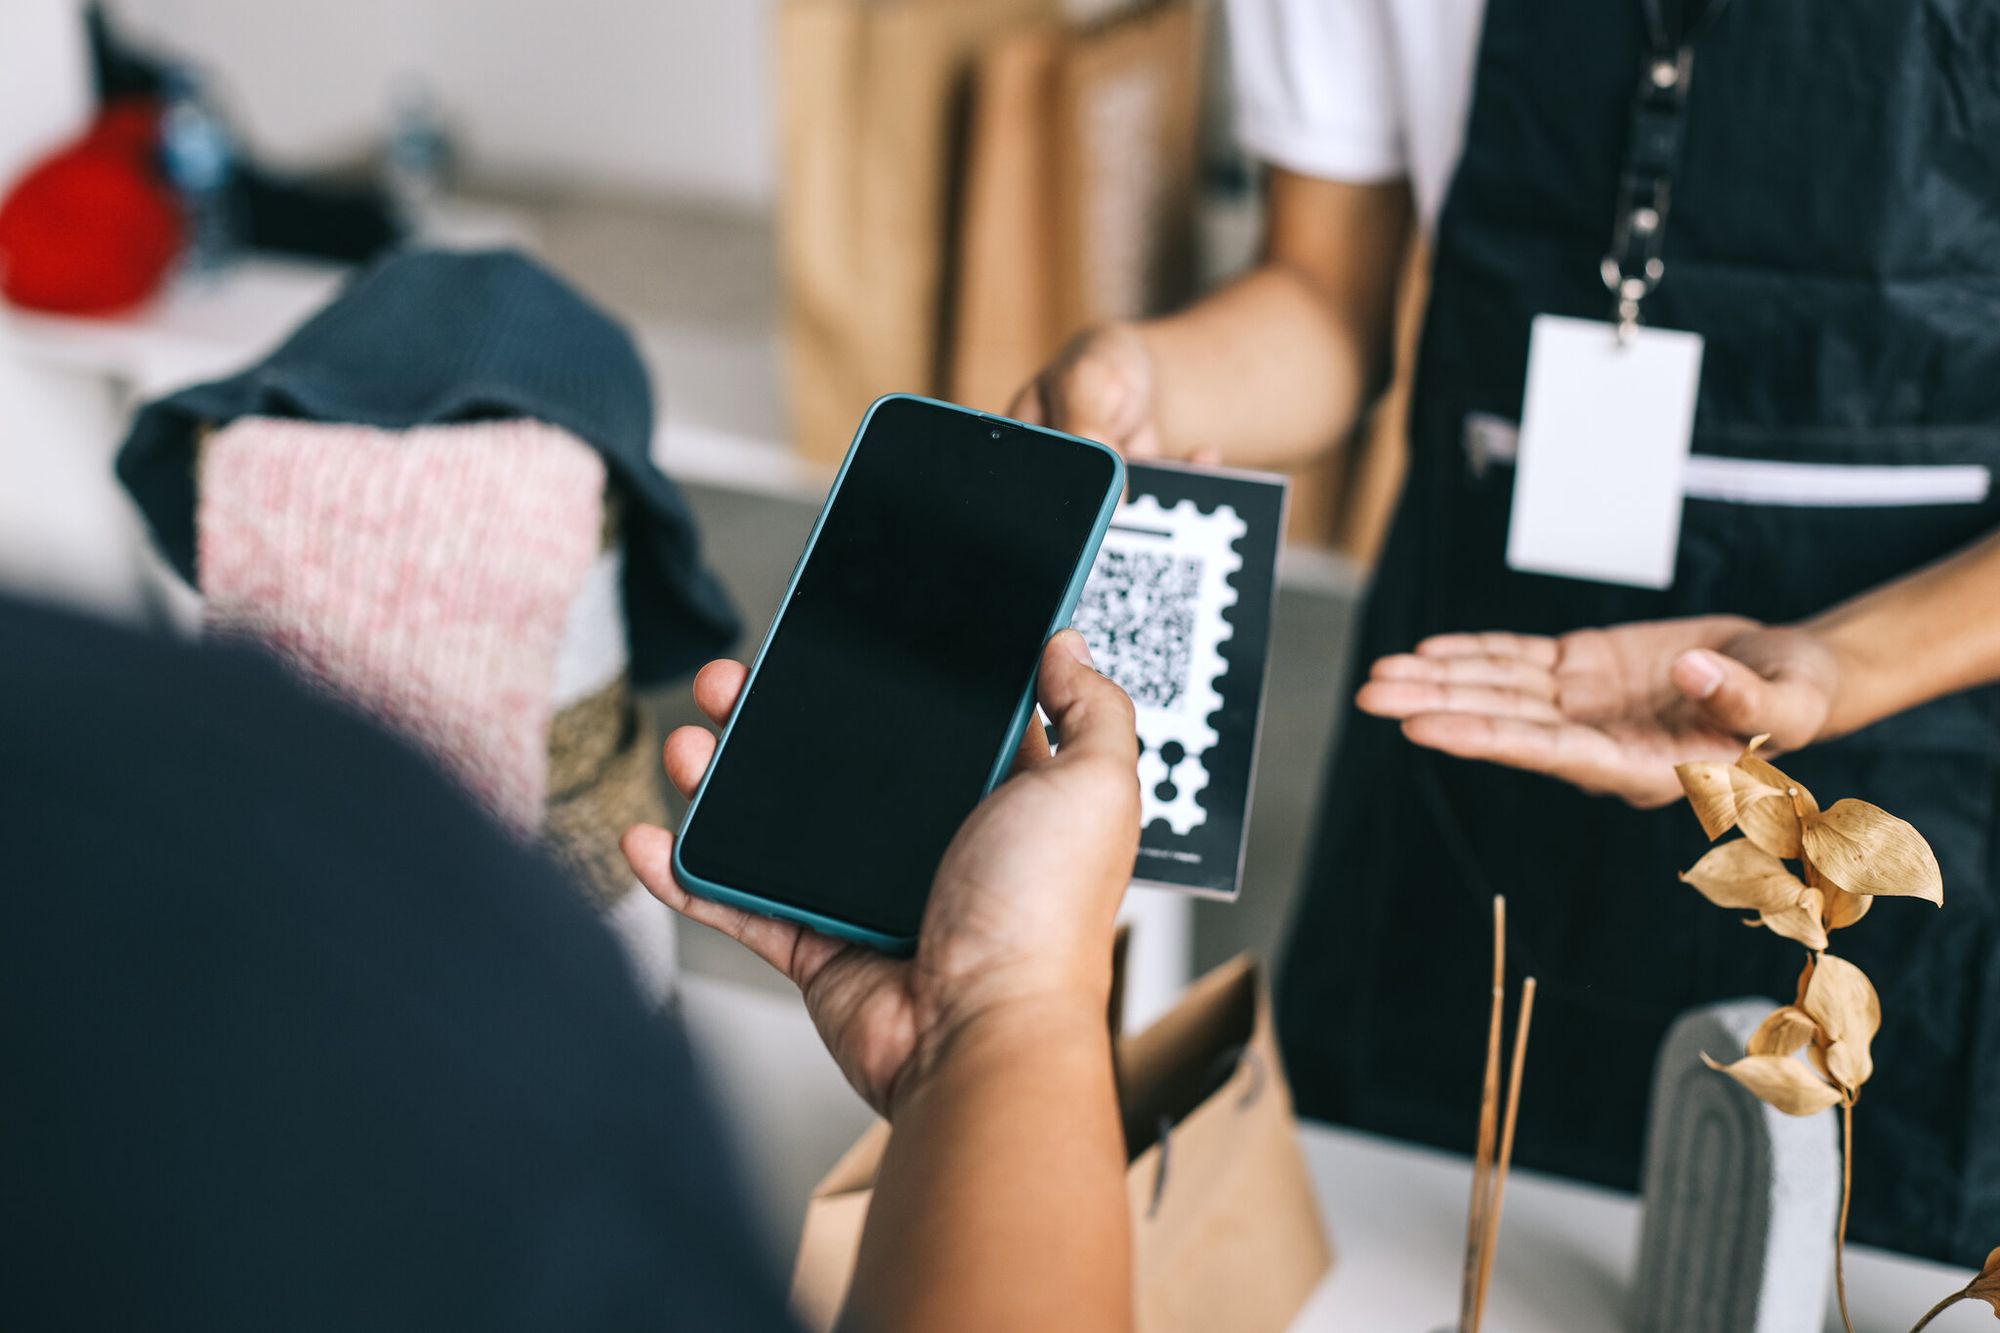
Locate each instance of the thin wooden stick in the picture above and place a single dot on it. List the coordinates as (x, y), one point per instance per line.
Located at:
(1489, 1100)
(1846, 1197)
(1492, 1237)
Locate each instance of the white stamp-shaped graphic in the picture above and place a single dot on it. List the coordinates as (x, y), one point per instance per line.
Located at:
(1152, 613)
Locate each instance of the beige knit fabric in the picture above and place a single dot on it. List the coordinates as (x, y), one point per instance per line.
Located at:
(604, 777)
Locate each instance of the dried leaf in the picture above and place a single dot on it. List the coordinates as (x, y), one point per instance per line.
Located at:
(1781, 1081)
(1864, 849)
(1718, 793)
(1771, 805)
(1843, 909)
(1765, 774)
(1772, 822)
(1763, 771)
(1799, 922)
(1849, 1064)
(1783, 1033)
(1986, 1286)
(1740, 874)
(1842, 1000)
(1710, 789)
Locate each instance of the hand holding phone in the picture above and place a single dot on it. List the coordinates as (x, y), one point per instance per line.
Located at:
(1022, 908)
(896, 681)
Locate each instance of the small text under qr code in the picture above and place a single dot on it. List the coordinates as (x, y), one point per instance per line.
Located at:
(1137, 613)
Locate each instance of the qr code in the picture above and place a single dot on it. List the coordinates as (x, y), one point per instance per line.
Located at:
(1138, 615)
(1153, 613)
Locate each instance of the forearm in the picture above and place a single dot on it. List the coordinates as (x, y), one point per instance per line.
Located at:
(1263, 371)
(1281, 364)
(1001, 1201)
(1929, 634)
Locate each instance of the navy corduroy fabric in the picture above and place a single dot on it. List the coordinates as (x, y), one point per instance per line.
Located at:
(432, 337)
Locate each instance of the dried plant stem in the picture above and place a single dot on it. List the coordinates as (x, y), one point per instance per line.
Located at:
(1846, 1195)
(1939, 1309)
(1489, 1102)
(1492, 1237)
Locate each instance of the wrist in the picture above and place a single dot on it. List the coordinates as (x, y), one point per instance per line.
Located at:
(1013, 1038)
(1161, 343)
(1861, 677)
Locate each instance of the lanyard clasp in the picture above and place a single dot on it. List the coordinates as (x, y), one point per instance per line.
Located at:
(1634, 266)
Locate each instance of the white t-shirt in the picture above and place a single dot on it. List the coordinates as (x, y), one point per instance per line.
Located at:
(1357, 90)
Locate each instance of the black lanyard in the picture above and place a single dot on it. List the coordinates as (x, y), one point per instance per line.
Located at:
(1633, 267)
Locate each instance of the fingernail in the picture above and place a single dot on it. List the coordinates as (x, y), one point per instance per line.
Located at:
(1702, 673)
(1075, 646)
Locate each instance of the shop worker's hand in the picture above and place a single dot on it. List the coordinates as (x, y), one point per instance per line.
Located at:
(1101, 387)
(1610, 710)
(1021, 913)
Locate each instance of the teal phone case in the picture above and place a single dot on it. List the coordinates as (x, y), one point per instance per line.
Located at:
(897, 944)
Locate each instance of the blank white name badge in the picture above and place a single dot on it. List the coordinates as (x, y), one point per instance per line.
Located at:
(1605, 430)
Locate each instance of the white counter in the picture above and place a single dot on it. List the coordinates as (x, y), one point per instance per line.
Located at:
(709, 339)
(1396, 1213)
(1564, 1262)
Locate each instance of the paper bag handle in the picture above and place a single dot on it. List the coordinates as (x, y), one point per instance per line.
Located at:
(1223, 1069)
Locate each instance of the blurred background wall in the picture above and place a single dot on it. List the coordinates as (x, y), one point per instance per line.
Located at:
(49, 97)
(649, 99)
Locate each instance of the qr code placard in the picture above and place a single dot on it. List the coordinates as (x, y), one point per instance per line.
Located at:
(1153, 614)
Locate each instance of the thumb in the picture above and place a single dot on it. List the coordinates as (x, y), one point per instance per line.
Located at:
(1092, 716)
(1736, 699)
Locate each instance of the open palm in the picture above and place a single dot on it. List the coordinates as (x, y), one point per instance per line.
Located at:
(1609, 710)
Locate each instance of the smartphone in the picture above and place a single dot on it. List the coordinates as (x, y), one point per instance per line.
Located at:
(895, 684)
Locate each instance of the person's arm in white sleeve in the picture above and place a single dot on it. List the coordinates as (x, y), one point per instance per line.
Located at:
(1280, 364)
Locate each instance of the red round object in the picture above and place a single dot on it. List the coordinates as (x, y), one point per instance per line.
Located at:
(90, 230)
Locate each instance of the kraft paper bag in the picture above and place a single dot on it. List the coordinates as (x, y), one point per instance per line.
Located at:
(1226, 1231)
(870, 129)
(1080, 189)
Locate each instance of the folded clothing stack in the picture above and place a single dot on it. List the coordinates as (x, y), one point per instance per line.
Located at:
(438, 499)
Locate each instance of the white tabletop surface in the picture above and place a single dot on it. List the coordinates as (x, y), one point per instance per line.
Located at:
(1396, 1213)
(717, 387)
(196, 328)
(718, 381)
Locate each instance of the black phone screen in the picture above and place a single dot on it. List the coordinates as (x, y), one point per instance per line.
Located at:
(887, 690)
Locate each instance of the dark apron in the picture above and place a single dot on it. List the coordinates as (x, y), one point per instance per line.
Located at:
(1835, 238)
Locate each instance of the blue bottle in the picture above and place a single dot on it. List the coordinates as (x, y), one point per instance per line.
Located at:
(419, 155)
(199, 156)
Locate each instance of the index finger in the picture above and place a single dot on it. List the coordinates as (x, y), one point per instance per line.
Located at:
(717, 686)
(1536, 648)
(1580, 755)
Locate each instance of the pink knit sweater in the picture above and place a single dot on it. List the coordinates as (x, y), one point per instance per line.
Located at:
(425, 574)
